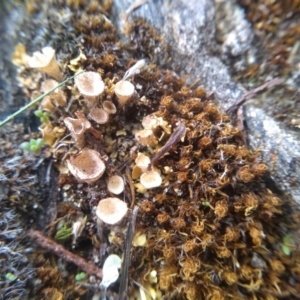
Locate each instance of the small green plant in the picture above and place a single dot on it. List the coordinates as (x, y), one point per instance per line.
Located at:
(42, 115)
(63, 233)
(286, 245)
(80, 276)
(34, 145)
(206, 203)
(10, 276)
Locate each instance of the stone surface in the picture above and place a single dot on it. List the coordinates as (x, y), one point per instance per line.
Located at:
(11, 96)
(190, 30)
(280, 149)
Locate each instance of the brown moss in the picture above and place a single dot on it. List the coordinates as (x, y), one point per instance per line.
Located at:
(178, 223)
(244, 174)
(147, 206)
(221, 208)
(169, 254)
(204, 143)
(259, 169)
(199, 92)
(162, 218)
(166, 276)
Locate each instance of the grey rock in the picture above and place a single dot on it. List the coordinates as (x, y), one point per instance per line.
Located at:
(190, 30)
(11, 95)
(280, 149)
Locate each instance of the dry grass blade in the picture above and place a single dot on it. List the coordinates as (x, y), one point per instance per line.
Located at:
(9, 118)
(254, 92)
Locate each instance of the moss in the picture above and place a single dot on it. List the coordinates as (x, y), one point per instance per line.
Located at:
(212, 226)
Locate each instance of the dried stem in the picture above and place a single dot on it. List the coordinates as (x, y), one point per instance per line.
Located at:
(36, 100)
(173, 139)
(127, 252)
(60, 251)
(254, 92)
(132, 191)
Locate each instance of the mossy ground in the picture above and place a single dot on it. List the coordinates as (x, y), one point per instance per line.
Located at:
(214, 229)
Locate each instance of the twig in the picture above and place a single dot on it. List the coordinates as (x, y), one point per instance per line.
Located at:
(173, 139)
(131, 186)
(123, 165)
(126, 262)
(254, 92)
(60, 251)
(194, 83)
(9, 118)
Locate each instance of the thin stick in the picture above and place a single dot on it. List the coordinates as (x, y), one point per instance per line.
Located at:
(194, 83)
(173, 139)
(126, 262)
(39, 98)
(254, 92)
(60, 251)
(131, 186)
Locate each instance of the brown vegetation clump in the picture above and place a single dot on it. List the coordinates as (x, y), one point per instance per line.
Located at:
(212, 207)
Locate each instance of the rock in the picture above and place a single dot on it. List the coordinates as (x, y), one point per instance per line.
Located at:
(190, 30)
(280, 149)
